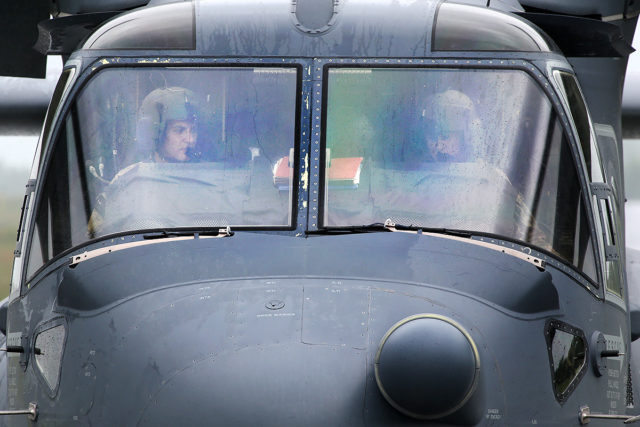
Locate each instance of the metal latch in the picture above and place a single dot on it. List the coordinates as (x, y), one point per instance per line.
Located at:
(31, 412)
(601, 190)
(585, 415)
(224, 232)
(18, 343)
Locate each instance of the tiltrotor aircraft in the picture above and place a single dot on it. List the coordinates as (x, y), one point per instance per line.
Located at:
(305, 212)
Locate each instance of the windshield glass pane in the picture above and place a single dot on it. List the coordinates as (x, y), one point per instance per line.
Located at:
(467, 149)
(148, 148)
(180, 147)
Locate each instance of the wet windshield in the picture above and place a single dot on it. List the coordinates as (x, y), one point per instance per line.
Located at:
(466, 149)
(148, 147)
(180, 148)
(186, 147)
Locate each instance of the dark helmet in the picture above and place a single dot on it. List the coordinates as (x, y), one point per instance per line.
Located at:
(159, 107)
(452, 111)
(451, 116)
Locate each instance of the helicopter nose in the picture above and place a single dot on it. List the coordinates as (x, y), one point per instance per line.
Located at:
(427, 366)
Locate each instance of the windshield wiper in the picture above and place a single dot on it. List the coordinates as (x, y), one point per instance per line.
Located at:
(167, 234)
(392, 226)
(389, 225)
(466, 237)
(153, 238)
(375, 227)
(463, 236)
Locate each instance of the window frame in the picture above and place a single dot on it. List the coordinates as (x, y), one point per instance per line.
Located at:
(322, 67)
(59, 98)
(298, 197)
(604, 208)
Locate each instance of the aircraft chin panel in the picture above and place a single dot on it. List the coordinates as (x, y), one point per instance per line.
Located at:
(324, 213)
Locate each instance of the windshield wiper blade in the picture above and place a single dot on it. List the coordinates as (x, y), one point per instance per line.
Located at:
(465, 236)
(437, 230)
(167, 234)
(151, 239)
(389, 225)
(375, 227)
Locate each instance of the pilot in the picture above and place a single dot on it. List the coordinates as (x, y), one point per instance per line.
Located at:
(166, 133)
(168, 125)
(452, 127)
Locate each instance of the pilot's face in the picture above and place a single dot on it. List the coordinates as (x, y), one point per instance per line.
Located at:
(179, 136)
(446, 148)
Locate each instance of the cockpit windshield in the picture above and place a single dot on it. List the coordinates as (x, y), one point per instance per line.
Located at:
(160, 147)
(187, 147)
(170, 147)
(465, 149)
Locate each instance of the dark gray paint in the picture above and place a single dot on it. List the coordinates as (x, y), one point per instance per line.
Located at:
(150, 358)
(427, 368)
(96, 283)
(314, 16)
(182, 333)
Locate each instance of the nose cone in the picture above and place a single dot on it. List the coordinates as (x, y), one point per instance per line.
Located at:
(427, 366)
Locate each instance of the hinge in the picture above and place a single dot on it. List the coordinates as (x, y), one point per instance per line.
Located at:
(604, 196)
(601, 190)
(30, 187)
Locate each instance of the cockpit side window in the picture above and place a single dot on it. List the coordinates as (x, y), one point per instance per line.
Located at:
(55, 103)
(604, 191)
(146, 148)
(61, 212)
(581, 121)
(465, 149)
